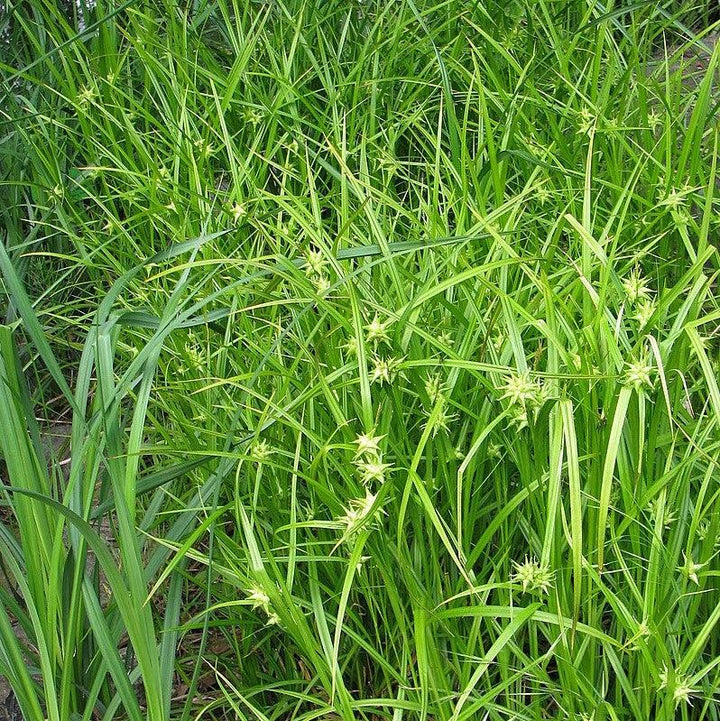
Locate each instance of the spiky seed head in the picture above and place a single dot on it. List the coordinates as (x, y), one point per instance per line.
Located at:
(587, 119)
(373, 470)
(445, 340)
(356, 512)
(434, 387)
(261, 451)
(494, 450)
(690, 569)
(542, 194)
(384, 369)
(643, 312)
(675, 199)
(368, 445)
(377, 331)
(259, 598)
(238, 212)
(519, 417)
(86, 96)
(636, 287)
(442, 420)
(703, 529)
(532, 575)
(654, 120)
(253, 116)
(204, 146)
(522, 390)
(669, 516)
(322, 284)
(315, 262)
(350, 346)
(638, 374)
(681, 688)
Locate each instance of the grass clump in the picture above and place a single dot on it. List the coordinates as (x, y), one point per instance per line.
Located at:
(388, 337)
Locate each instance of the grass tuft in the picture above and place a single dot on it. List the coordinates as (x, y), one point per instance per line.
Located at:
(387, 338)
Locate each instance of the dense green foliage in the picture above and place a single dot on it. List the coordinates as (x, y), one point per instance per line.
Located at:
(388, 333)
